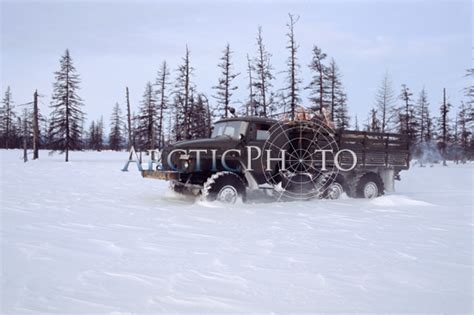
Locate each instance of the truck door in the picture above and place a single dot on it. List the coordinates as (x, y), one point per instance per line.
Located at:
(257, 134)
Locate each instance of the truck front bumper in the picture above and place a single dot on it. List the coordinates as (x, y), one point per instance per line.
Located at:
(163, 175)
(173, 177)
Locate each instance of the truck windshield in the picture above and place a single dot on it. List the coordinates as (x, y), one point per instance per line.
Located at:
(232, 129)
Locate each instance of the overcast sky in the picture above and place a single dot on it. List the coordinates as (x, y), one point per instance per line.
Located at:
(118, 44)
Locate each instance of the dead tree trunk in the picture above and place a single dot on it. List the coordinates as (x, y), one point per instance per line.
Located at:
(35, 127)
(25, 135)
(444, 114)
(129, 121)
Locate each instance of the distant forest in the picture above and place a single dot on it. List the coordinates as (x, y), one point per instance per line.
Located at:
(173, 108)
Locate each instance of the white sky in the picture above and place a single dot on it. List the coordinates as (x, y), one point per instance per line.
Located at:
(115, 44)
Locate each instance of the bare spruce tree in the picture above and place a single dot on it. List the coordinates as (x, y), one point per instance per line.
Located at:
(384, 101)
(319, 84)
(176, 118)
(250, 107)
(225, 87)
(100, 132)
(469, 93)
(422, 116)
(341, 114)
(182, 93)
(263, 77)
(162, 84)
(209, 114)
(443, 127)
(16, 133)
(337, 98)
(146, 119)
(430, 132)
(92, 136)
(66, 117)
(373, 123)
(200, 116)
(293, 87)
(95, 139)
(464, 132)
(407, 113)
(406, 97)
(7, 117)
(117, 125)
(469, 90)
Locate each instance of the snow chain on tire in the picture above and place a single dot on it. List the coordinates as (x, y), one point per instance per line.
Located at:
(208, 185)
(326, 180)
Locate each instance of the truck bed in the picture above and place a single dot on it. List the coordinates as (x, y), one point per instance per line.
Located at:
(374, 149)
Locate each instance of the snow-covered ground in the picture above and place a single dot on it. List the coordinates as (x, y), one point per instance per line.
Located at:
(85, 237)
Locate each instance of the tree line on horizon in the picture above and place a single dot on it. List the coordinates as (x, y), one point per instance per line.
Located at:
(173, 109)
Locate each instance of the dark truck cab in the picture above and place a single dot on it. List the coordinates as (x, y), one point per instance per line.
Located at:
(226, 165)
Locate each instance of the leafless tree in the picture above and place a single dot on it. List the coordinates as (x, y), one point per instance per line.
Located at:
(224, 88)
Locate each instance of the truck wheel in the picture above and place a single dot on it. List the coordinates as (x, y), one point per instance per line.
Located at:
(331, 188)
(335, 190)
(225, 187)
(369, 186)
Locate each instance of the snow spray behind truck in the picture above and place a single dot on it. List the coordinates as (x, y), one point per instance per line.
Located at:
(287, 160)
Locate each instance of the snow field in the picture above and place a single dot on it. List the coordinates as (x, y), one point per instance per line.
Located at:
(85, 237)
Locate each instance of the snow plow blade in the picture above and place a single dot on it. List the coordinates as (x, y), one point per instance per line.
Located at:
(163, 175)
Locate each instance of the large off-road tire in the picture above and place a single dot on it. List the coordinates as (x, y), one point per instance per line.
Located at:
(336, 188)
(332, 186)
(225, 187)
(368, 186)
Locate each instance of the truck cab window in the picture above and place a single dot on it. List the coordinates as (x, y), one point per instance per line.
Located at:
(231, 129)
(263, 132)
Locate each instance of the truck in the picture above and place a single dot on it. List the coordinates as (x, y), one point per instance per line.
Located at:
(283, 160)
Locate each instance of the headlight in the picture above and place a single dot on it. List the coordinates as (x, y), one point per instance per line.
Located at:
(185, 165)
